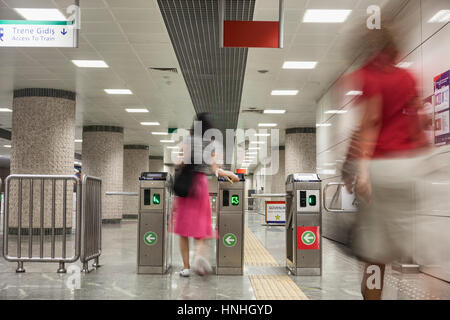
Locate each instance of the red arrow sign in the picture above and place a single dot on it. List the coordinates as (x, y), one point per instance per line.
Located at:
(308, 238)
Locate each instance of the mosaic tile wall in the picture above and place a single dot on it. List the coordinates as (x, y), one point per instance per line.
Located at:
(103, 158)
(156, 165)
(135, 161)
(43, 134)
(279, 179)
(300, 154)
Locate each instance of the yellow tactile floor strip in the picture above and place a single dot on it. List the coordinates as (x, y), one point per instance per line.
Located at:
(268, 287)
(276, 287)
(255, 255)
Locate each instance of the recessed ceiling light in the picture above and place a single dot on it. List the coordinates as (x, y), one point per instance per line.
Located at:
(118, 91)
(167, 141)
(250, 153)
(267, 124)
(5, 110)
(326, 16)
(172, 147)
(404, 65)
(78, 140)
(284, 92)
(90, 63)
(7, 146)
(279, 111)
(150, 123)
(160, 133)
(254, 148)
(354, 93)
(328, 164)
(47, 14)
(323, 124)
(262, 134)
(336, 111)
(327, 171)
(177, 152)
(136, 110)
(299, 64)
(441, 16)
(257, 142)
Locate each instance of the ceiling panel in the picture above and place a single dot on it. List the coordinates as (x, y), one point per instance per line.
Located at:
(214, 76)
(326, 43)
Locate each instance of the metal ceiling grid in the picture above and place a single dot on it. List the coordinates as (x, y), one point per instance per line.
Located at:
(214, 76)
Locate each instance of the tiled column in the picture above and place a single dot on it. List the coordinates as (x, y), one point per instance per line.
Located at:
(279, 179)
(43, 134)
(102, 153)
(300, 150)
(135, 161)
(156, 164)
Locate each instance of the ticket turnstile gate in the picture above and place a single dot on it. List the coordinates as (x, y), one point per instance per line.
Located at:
(230, 222)
(303, 224)
(154, 239)
(213, 189)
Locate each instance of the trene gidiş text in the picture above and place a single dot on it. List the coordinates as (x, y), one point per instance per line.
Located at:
(25, 34)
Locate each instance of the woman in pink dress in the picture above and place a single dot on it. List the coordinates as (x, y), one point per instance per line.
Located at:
(193, 213)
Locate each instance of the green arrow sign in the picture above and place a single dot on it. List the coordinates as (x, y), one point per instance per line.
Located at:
(308, 237)
(150, 238)
(229, 240)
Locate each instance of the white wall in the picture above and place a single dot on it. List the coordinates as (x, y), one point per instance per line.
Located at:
(427, 47)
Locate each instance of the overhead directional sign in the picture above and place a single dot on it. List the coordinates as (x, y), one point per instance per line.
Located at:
(308, 238)
(150, 238)
(28, 33)
(229, 240)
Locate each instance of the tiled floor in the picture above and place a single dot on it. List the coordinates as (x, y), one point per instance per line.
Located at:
(117, 278)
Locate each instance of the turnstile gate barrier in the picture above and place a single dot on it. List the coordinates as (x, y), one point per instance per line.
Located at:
(303, 224)
(230, 221)
(213, 189)
(154, 239)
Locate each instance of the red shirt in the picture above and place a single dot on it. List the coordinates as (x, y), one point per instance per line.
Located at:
(400, 127)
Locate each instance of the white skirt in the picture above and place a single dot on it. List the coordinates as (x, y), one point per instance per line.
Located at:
(384, 229)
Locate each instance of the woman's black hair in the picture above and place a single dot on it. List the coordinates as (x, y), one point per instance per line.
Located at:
(207, 122)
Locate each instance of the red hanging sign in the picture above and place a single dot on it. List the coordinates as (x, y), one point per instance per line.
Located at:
(251, 34)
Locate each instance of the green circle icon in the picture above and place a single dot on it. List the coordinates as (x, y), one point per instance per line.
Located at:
(229, 240)
(150, 238)
(308, 238)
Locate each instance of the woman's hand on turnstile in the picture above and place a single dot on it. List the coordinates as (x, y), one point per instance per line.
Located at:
(234, 177)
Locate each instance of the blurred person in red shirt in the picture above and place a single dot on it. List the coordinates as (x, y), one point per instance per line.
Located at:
(384, 162)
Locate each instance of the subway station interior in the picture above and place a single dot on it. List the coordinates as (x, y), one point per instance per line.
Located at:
(324, 175)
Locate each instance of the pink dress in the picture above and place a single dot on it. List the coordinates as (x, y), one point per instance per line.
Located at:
(192, 214)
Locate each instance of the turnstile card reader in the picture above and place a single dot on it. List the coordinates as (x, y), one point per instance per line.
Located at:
(154, 240)
(213, 189)
(230, 221)
(303, 224)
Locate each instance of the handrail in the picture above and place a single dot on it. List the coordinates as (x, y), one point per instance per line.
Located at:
(120, 193)
(268, 195)
(329, 184)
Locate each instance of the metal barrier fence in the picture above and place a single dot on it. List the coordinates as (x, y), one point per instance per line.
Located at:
(42, 231)
(44, 203)
(91, 217)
